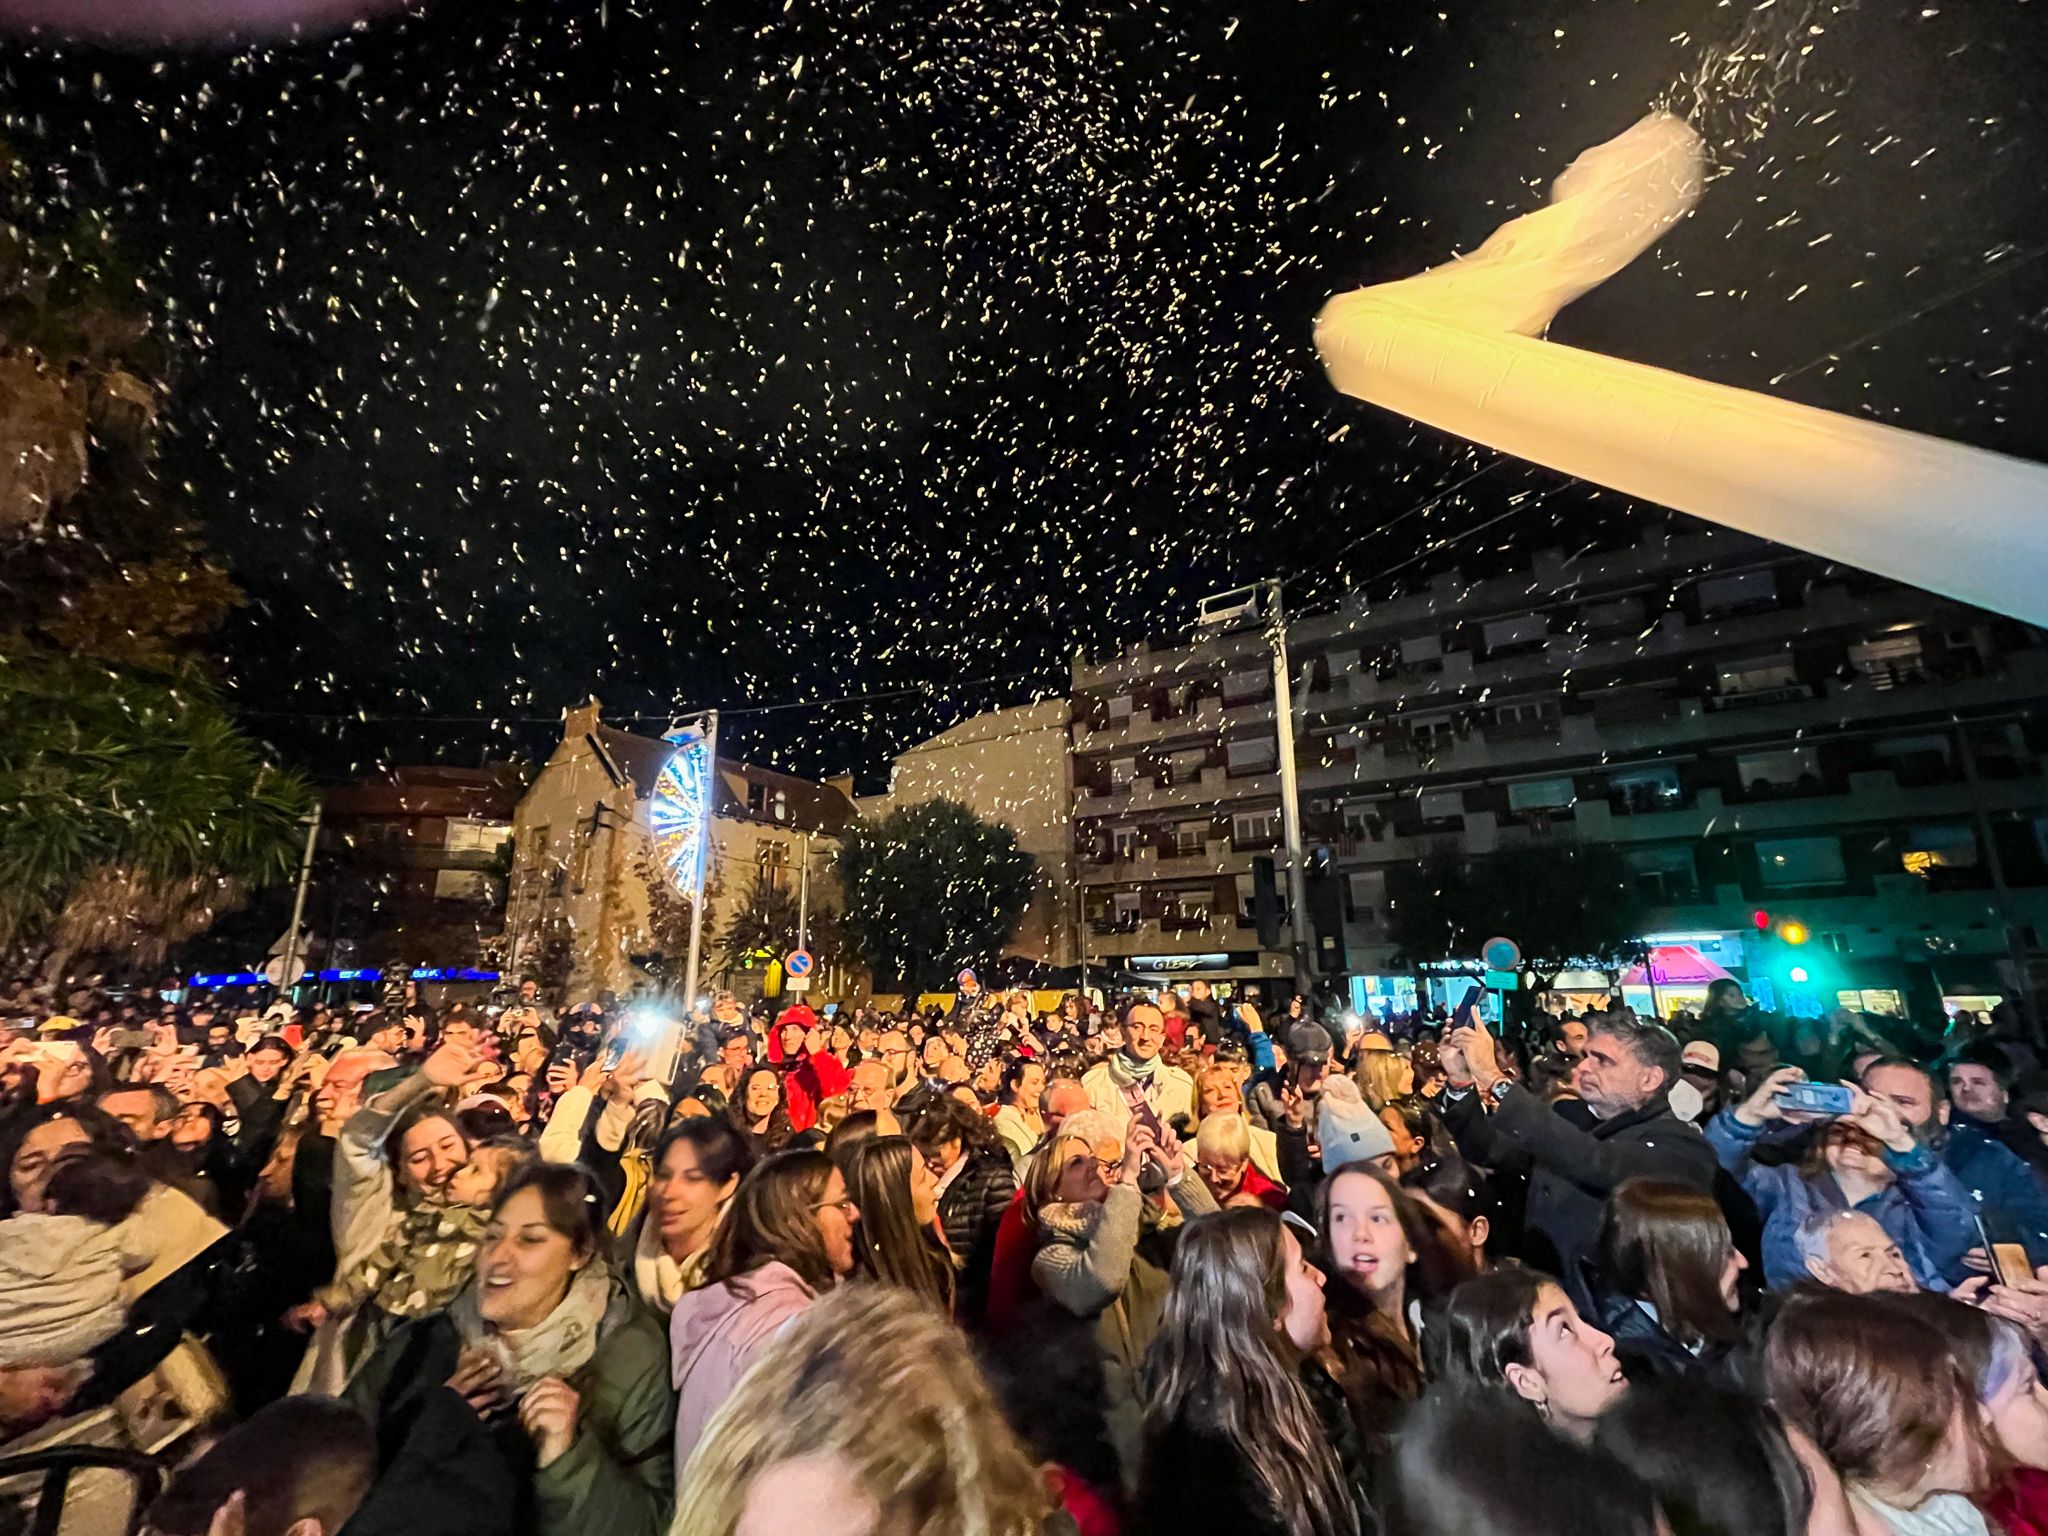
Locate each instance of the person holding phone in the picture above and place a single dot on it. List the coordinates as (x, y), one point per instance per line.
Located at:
(1132, 1085)
(1865, 1160)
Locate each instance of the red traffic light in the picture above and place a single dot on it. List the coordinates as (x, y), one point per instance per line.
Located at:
(1762, 919)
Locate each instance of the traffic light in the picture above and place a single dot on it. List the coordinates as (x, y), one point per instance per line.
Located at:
(1265, 902)
(1793, 931)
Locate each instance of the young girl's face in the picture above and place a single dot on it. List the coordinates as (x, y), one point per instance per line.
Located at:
(476, 1181)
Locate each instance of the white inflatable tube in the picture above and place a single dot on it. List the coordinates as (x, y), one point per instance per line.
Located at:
(1457, 348)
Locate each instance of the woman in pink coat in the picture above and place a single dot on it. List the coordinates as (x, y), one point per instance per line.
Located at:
(787, 1237)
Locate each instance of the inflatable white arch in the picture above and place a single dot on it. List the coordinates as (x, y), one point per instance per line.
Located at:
(1458, 347)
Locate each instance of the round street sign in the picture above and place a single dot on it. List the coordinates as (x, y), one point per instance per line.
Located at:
(797, 963)
(1501, 954)
(273, 971)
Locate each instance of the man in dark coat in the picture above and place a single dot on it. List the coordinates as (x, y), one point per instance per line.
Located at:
(1578, 1150)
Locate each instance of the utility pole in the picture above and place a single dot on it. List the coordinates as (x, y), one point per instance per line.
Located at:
(1290, 790)
(291, 934)
(703, 861)
(803, 898)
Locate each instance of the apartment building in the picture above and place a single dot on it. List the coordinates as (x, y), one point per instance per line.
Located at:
(1751, 728)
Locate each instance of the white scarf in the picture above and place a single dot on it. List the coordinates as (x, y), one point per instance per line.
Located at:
(560, 1345)
(1126, 1071)
(660, 1280)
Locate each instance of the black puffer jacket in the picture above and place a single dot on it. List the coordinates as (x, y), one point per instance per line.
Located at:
(1575, 1162)
(970, 1211)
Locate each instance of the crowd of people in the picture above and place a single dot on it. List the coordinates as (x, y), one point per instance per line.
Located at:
(1168, 1265)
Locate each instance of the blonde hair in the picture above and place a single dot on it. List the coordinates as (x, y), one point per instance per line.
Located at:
(1378, 1075)
(878, 1379)
(1227, 1137)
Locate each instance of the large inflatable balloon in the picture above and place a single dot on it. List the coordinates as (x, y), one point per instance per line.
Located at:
(186, 21)
(1458, 347)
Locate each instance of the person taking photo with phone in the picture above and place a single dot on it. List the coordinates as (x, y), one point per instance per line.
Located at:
(1864, 1159)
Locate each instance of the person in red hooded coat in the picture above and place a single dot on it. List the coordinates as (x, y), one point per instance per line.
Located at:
(811, 1073)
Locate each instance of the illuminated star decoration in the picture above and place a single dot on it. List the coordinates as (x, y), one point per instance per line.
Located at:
(680, 809)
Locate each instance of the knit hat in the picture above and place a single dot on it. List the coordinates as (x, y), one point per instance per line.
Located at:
(1347, 1127)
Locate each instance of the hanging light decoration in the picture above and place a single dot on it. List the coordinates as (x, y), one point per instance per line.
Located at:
(679, 810)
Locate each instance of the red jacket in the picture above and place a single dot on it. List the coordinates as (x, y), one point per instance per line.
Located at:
(1011, 1289)
(2020, 1506)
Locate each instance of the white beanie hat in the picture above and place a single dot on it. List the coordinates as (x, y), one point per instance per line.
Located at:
(1347, 1127)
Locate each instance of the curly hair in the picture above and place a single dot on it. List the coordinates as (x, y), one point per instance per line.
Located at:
(878, 1380)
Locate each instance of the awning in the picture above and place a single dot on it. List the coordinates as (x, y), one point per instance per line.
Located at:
(1674, 965)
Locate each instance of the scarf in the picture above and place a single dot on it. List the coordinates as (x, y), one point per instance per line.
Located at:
(1126, 1071)
(660, 1280)
(560, 1345)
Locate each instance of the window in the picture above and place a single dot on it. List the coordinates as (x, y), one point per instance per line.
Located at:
(461, 885)
(1238, 687)
(1646, 789)
(471, 836)
(1778, 770)
(1530, 715)
(1256, 829)
(1443, 805)
(1120, 709)
(1185, 909)
(1663, 874)
(781, 805)
(1523, 633)
(1422, 650)
(771, 855)
(1947, 845)
(1890, 660)
(1186, 766)
(1729, 594)
(1364, 892)
(1125, 842)
(1362, 816)
(1431, 733)
(1744, 677)
(757, 799)
(1541, 794)
(1122, 771)
(1254, 755)
(1124, 911)
(1793, 861)
(1190, 837)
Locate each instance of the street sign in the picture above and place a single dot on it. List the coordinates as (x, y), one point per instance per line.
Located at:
(273, 971)
(1501, 954)
(1502, 981)
(797, 965)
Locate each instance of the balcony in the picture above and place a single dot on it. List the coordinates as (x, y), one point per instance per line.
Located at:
(1218, 857)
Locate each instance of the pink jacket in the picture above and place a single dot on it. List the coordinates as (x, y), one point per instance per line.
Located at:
(713, 1335)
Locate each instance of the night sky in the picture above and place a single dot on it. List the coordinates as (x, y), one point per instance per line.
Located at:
(772, 354)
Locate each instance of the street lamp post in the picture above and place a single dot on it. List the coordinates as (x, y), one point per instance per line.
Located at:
(1222, 613)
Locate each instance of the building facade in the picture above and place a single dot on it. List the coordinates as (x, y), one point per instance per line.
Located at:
(409, 867)
(1009, 766)
(1751, 729)
(589, 910)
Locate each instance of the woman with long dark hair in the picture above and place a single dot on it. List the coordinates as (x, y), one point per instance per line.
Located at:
(696, 1168)
(1666, 1284)
(1516, 1328)
(787, 1238)
(975, 1186)
(1244, 1431)
(1384, 1256)
(760, 1110)
(898, 1197)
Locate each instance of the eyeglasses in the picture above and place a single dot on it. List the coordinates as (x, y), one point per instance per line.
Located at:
(845, 1208)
